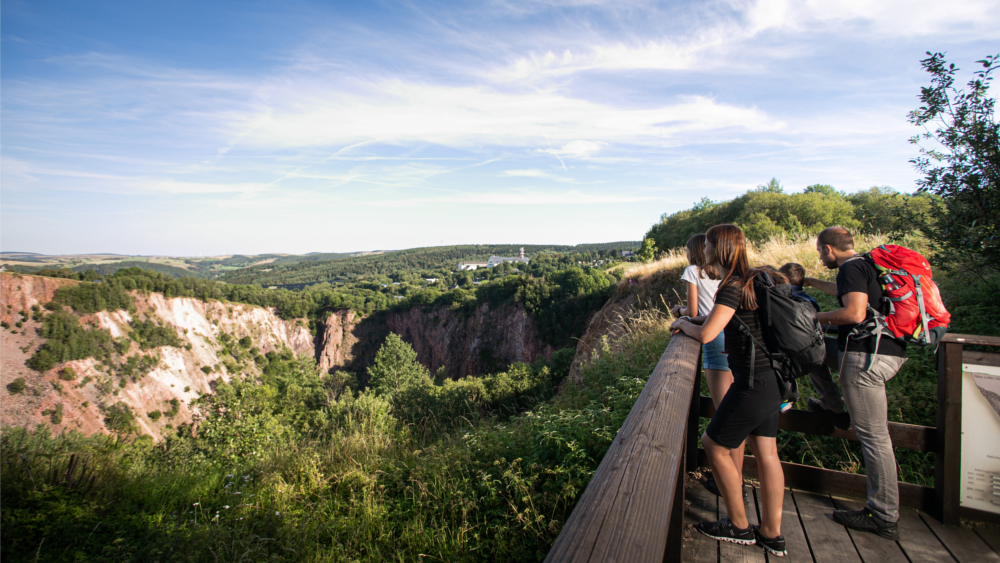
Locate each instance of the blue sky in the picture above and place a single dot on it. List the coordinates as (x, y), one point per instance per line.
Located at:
(202, 128)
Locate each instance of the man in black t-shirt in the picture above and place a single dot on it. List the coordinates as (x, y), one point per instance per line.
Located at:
(863, 374)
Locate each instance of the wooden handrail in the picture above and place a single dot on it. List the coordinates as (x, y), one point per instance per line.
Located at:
(975, 339)
(625, 512)
(909, 436)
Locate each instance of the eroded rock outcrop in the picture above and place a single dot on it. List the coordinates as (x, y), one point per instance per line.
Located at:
(176, 373)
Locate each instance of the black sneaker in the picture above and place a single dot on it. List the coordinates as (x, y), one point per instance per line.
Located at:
(775, 546)
(713, 488)
(725, 530)
(841, 420)
(865, 521)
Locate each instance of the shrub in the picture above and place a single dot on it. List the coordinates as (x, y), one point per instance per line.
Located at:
(16, 386)
(206, 369)
(175, 407)
(149, 334)
(120, 419)
(154, 415)
(67, 374)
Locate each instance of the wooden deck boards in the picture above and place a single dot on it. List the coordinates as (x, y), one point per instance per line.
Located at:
(813, 537)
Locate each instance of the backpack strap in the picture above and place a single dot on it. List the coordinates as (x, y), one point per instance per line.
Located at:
(754, 343)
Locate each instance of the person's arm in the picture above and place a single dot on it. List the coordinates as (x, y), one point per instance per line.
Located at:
(822, 285)
(692, 306)
(713, 325)
(854, 311)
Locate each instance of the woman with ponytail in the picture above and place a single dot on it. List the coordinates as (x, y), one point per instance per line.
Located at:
(749, 410)
(702, 282)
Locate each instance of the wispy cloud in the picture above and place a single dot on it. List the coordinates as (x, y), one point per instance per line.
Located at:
(22, 175)
(515, 198)
(404, 112)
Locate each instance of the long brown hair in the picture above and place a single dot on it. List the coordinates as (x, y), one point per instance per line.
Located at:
(696, 256)
(731, 257)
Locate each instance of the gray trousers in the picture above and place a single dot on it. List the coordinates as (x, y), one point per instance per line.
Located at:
(864, 394)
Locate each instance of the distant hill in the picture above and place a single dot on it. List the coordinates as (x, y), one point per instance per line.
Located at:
(428, 259)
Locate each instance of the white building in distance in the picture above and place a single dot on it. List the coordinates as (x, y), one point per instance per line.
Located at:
(493, 261)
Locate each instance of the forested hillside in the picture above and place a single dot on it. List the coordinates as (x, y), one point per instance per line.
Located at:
(769, 212)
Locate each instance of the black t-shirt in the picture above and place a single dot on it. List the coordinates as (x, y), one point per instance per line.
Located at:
(738, 345)
(861, 277)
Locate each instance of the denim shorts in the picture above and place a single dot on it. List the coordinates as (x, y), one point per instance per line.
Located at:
(713, 354)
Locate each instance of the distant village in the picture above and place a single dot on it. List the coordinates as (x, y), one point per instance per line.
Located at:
(493, 261)
(497, 260)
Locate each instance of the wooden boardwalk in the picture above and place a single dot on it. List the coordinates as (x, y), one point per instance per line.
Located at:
(812, 537)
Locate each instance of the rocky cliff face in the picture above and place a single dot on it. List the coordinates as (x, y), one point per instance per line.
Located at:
(19, 293)
(490, 339)
(487, 340)
(177, 374)
(655, 287)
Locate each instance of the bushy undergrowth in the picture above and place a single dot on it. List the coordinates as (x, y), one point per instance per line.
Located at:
(281, 470)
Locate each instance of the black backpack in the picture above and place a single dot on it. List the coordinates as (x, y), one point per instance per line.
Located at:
(793, 336)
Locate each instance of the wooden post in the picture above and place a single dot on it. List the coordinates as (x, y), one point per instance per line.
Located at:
(692, 437)
(948, 457)
(675, 531)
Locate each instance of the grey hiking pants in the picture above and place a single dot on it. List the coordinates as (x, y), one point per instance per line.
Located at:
(864, 395)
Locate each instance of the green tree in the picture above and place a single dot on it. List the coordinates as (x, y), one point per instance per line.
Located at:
(962, 165)
(648, 250)
(824, 189)
(773, 186)
(395, 367)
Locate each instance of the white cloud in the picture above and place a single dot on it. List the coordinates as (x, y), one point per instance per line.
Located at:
(536, 173)
(720, 41)
(891, 17)
(575, 149)
(401, 112)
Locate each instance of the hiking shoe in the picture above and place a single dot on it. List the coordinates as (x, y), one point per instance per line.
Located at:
(713, 488)
(724, 530)
(775, 546)
(865, 521)
(841, 420)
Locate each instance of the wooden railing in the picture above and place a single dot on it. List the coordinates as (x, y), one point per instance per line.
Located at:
(633, 507)
(632, 510)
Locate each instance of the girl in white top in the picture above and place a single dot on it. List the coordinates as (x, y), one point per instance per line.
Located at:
(701, 290)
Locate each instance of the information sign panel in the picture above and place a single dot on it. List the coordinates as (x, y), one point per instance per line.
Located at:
(981, 437)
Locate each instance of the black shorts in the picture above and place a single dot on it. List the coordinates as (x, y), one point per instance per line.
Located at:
(745, 411)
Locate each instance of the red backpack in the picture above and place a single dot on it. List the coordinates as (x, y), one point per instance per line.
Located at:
(916, 312)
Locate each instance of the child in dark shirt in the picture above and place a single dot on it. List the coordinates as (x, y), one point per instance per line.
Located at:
(796, 274)
(829, 400)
